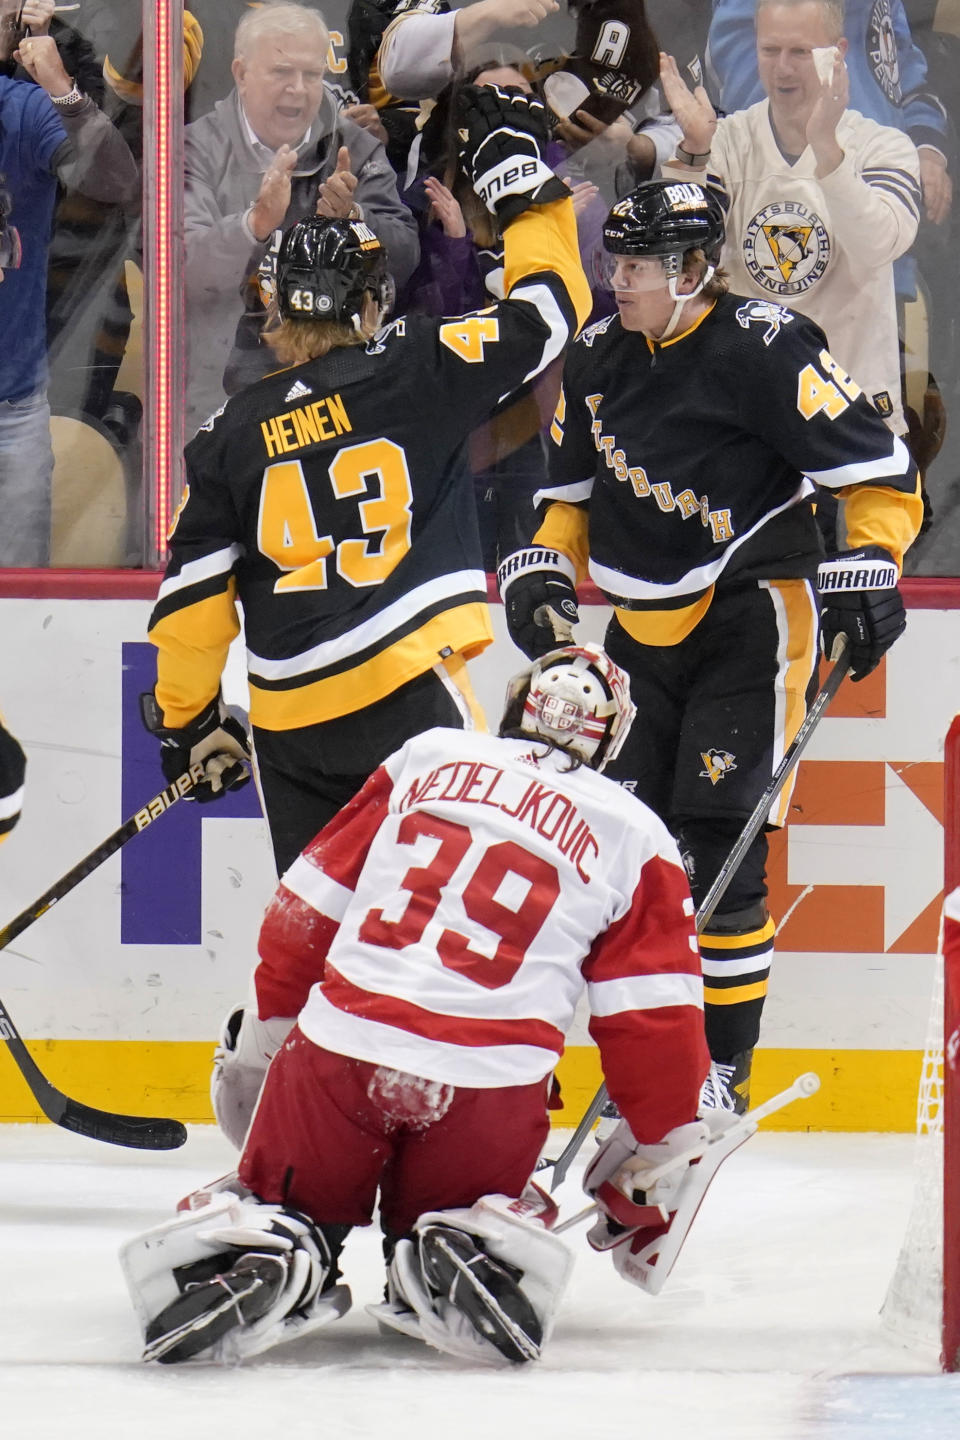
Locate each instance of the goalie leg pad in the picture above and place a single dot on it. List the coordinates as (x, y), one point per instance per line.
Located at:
(482, 1283)
(233, 1279)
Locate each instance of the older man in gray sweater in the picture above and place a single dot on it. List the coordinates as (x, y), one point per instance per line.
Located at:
(276, 149)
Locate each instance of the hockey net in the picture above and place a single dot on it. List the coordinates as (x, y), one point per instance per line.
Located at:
(922, 1305)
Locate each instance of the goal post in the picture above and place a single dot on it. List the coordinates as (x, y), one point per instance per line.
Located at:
(922, 1306)
(950, 1334)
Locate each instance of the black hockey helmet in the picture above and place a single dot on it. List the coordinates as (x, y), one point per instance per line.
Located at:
(666, 217)
(326, 268)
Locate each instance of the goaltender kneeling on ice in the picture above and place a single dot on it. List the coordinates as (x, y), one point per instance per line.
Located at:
(433, 942)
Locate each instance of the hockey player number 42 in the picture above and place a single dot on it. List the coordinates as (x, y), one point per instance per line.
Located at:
(517, 928)
(287, 526)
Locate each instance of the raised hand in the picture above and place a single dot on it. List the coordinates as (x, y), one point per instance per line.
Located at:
(335, 195)
(821, 129)
(691, 110)
(273, 201)
(444, 208)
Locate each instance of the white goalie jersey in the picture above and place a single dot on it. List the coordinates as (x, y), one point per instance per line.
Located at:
(823, 246)
(447, 921)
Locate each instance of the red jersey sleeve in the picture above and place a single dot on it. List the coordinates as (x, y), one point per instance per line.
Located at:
(305, 912)
(645, 991)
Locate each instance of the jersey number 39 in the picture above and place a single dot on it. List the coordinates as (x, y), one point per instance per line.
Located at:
(517, 928)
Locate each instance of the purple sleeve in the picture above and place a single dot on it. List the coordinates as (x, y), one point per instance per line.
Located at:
(447, 280)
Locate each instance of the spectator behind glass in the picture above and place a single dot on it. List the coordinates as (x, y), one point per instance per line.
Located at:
(822, 200)
(889, 83)
(887, 75)
(49, 132)
(88, 310)
(275, 150)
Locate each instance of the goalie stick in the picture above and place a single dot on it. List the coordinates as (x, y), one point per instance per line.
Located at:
(726, 1141)
(140, 1132)
(726, 873)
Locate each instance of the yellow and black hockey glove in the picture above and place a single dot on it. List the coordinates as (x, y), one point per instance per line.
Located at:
(860, 598)
(502, 137)
(213, 739)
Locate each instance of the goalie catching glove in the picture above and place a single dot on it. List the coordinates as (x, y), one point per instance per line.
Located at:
(240, 1061)
(539, 599)
(648, 1195)
(213, 739)
(502, 138)
(859, 598)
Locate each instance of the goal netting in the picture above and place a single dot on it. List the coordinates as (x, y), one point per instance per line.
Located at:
(913, 1308)
(922, 1305)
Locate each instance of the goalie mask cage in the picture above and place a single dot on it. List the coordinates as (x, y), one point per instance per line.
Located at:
(923, 1302)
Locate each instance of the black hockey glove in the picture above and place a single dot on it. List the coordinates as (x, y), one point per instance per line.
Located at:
(539, 600)
(13, 765)
(859, 598)
(503, 135)
(213, 739)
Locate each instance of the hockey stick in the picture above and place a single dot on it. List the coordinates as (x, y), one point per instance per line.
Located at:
(145, 816)
(727, 871)
(140, 1132)
(739, 1132)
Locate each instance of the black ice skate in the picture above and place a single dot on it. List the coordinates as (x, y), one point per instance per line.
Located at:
(209, 1308)
(482, 1289)
(727, 1086)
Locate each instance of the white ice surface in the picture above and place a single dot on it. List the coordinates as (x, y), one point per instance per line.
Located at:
(768, 1328)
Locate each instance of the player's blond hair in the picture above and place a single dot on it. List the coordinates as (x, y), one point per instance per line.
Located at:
(279, 17)
(834, 10)
(294, 342)
(694, 263)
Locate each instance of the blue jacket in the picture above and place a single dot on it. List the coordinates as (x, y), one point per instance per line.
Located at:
(888, 72)
(30, 135)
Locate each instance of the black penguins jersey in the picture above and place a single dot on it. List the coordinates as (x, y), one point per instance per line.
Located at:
(693, 460)
(332, 501)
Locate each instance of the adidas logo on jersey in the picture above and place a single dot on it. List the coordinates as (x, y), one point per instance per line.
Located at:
(297, 391)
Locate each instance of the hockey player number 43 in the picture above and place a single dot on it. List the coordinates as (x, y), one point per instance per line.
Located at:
(287, 526)
(517, 928)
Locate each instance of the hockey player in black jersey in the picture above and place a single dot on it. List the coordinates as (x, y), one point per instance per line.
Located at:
(688, 433)
(13, 767)
(331, 500)
(325, 498)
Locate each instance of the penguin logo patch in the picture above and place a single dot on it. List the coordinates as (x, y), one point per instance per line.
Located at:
(881, 41)
(764, 312)
(718, 763)
(786, 248)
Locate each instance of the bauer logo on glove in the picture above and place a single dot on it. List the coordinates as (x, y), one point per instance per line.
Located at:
(502, 136)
